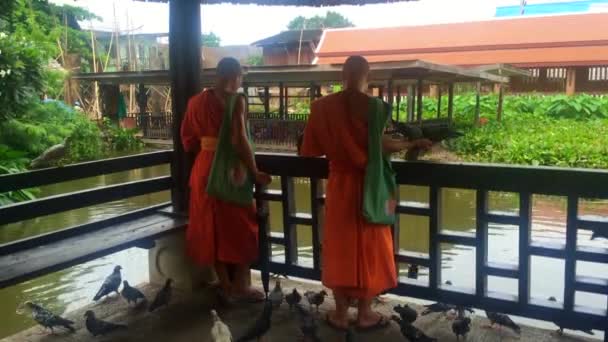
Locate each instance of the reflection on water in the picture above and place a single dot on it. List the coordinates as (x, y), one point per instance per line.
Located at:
(74, 287)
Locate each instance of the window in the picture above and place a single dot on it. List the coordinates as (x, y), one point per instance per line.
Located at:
(598, 73)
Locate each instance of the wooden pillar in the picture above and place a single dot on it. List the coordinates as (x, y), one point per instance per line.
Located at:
(286, 104)
(419, 105)
(500, 100)
(450, 102)
(410, 102)
(266, 101)
(391, 99)
(438, 101)
(281, 101)
(570, 81)
(477, 100)
(433, 90)
(398, 104)
(185, 73)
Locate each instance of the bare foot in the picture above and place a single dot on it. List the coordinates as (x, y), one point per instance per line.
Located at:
(337, 322)
(369, 319)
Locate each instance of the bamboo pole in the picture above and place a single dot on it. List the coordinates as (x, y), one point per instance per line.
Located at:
(95, 84)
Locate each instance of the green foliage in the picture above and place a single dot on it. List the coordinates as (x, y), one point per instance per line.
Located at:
(330, 20)
(255, 60)
(12, 161)
(21, 74)
(210, 40)
(580, 107)
(120, 139)
(85, 142)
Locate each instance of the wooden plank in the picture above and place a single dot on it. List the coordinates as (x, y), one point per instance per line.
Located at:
(546, 249)
(525, 231)
(592, 254)
(289, 220)
(21, 266)
(570, 271)
(30, 179)
(434, 242)
(304, 219)
(79, 199)
(457, 238)
(502, 218)
(501, 270)
(420, 259)
(316, 208)
(64, 233)
(591, 284)
(413, 208)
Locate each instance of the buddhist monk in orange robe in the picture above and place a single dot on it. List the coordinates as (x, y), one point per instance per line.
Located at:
(358, 259)
(220, 234)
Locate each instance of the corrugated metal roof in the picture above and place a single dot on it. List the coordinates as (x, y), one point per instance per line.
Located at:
(291, 36)
(556, 40)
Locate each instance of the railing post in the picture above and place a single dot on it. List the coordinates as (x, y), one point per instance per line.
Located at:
(525, 224)
(316, 211)
(185, 71)
(570, 272)
(434, 246)
(481, 249)
(263, 229)
(289, 227)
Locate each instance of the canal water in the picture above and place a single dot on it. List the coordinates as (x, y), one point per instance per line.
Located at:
(74, 287)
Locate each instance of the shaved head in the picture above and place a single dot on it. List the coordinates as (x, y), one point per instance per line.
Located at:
(355, 72)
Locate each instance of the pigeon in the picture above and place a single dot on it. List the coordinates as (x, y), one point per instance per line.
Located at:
(276, 296)
(131, 294)
(436, 308)
(110, 284)
(308, 325)
(503, 321)
(406, 313)
(261, 325)
(315, 298)
(219, 331)
(461, 327)
(412, 333)
(448, 282)
(598, 233)
(567, 324)
(163, 297)
(98, 327)
(47, 319)
(293, 298)
(412, 271)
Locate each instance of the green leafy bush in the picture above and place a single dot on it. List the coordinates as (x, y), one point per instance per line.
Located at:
(120, 139)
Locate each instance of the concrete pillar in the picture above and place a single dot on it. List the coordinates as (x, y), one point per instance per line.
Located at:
(570, 81)
(167, 259)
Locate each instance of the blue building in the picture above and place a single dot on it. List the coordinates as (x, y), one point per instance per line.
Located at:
(583, 6)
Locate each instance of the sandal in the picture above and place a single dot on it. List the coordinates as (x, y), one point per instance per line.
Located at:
(382, 323)
(333, 325)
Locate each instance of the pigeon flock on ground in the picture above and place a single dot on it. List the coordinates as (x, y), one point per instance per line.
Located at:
(308, 322)
(95, 326)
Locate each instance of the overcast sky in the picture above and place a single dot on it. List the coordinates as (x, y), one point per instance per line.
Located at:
(244, 24)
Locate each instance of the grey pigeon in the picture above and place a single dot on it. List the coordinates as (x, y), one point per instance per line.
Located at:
(406, 313)
(461, 327)
(293, 298)
(598, 233)
(308, 325)
(276, 296)
(131, 294)
(47, 319)
(110, 284)
(412, 333)
(436, 308)
(570, 325)
(260, 326)
(163, 297)
(412, 271)
(503, 321)
(98, 327)
(315, 298)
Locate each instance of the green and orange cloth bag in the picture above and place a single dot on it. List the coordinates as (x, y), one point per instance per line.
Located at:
(380, 184)
(229, 179)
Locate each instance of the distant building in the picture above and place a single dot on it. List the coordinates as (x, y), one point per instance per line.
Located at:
(290, 47)
(546, 8)
(563, 53)
(244, 53)
(136, 51)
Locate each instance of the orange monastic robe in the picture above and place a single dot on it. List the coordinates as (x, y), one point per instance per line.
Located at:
(217, 230)
(357, 256)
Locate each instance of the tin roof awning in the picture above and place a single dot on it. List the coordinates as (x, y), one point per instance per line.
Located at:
(304, 75)
(503, 70)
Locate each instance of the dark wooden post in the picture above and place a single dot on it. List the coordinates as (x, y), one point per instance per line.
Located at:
(286, 105)
(281, 99)
(477, 100)
(390, 98)
(410, 102)
(500, 100)
(266, 101)
(439, 101)
(419, 102)
(398, 104)
(185, 73)
(450, 102)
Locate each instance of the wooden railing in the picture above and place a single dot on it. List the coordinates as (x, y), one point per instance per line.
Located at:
(524, 181)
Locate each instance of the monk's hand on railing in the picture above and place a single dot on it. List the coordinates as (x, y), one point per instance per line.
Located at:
(262, 178)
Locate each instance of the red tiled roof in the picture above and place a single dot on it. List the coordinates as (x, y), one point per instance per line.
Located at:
(538, 41)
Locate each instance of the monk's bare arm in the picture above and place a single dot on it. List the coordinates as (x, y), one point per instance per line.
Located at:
(240, 142)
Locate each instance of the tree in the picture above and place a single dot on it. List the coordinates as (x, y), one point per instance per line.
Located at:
(330, 20)
(210, 40)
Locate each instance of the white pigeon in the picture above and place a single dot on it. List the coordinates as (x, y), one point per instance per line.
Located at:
(219, 331)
